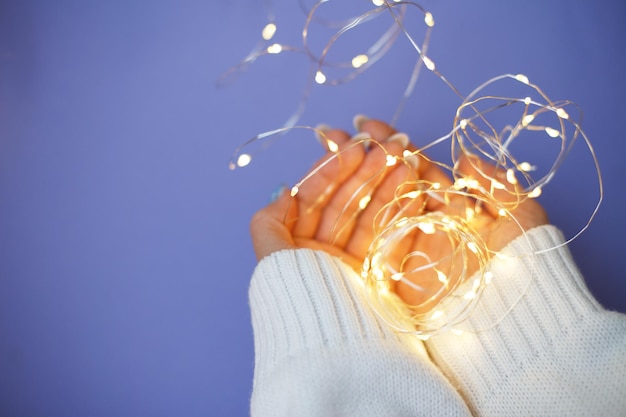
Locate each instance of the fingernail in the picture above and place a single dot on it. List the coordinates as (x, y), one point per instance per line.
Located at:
(320, 134)
(364, 138)
(411, 159)
(277, 192)
(400, 138)
(358, 121)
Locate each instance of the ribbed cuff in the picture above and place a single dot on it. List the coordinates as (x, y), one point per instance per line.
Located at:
(304, 299)
(535, 335)
(536, 279)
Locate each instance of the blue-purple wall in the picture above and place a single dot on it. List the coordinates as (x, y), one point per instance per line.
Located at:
(124, 251)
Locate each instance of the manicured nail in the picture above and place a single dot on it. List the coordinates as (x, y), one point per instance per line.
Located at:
(400, 138)
(277, 192)
(358, 121)
(320, 133)
(364, 138)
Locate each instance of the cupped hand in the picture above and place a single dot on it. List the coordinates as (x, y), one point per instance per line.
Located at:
(339, 209)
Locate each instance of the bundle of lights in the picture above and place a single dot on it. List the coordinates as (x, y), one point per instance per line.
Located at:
(412, 290)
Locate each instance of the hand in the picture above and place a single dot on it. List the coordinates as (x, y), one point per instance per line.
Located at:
(325, 214)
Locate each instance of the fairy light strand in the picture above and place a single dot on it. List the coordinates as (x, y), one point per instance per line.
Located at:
(441, 292)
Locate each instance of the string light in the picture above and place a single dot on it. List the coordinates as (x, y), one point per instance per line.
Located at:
(437, 294)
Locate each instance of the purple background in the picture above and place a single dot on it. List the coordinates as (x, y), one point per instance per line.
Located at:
(124, 252)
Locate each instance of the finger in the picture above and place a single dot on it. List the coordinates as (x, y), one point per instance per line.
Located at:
(355, 194)
(324, 179)
(427, 171)
(495, 187)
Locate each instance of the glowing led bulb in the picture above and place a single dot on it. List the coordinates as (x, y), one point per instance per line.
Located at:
(320, 78)
(488, 277)
(332, 146)
(442, 277)
(378, 2)
(535, 193)
(427, 228)
(528, 119)
(437, 314)
(527, 101)
(391, 160)
(522, 78)
(553, 133)
(268, 31)
(275, 48)
(502, 212)
(428, 62)
(463, 123)
(526, 167)
(359, 60)
(562, 114)
(428, 19)
(510, 176)
(472, 246)
(497, 184)
(243, 160)
(397, 276)
(294, 190)
(364, 202)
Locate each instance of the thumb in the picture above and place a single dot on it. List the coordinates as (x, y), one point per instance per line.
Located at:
(270, 227)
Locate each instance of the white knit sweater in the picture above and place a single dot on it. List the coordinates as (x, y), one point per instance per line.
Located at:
(321, 351)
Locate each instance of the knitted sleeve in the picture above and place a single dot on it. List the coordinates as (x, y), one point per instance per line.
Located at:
(557, 352)
(320, 350)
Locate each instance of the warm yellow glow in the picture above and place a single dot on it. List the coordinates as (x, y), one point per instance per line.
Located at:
(442, 277)
(268, 31)
(528, 119)
(437, 314)
(428, 19)
(469, 213)
(332, 146)
(510, 176)
(359, 60)
(502, 212)
(562, 114)
(463, 123)
(364, 202)
(243, 160)
(378, 2)
(526, 167)
(497, 184)
(294, 190)
(320, 78)
(527, 100)
(429, 63)
(472, 246)
(553, 133)
(275, 48)
(469, 295)
(465, 182)
(427, 228)
(522, 78)
(535, 193)
(397, 276)
(488, 277)
(391, 160)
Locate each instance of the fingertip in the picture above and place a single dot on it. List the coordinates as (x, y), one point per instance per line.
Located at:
(378, 130)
